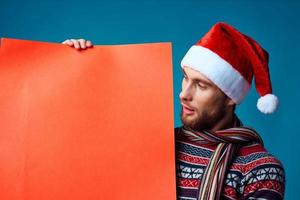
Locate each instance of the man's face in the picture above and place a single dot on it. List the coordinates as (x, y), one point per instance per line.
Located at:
(203, 103)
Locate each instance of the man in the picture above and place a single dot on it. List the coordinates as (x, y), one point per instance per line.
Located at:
(216, 156)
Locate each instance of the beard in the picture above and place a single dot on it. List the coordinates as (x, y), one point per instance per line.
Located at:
(205, 120)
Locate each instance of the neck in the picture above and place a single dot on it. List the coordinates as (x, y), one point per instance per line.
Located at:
(225, 122)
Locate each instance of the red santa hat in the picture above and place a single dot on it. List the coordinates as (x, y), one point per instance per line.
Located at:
(230, 59)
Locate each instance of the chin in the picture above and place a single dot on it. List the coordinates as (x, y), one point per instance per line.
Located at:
(188, 121)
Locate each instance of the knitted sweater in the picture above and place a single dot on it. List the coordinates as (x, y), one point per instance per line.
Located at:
(254, 173)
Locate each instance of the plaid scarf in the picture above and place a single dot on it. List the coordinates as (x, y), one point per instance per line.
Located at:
(228, 142)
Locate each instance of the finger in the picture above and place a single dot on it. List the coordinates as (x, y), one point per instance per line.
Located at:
(89, 43)
(82, 43)
(65, 42)
(75, 43)
(68, 42)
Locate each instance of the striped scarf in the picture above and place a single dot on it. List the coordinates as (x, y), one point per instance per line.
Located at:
(228, 142)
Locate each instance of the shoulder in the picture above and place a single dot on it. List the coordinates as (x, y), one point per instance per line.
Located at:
(254, 156)
(263, 173)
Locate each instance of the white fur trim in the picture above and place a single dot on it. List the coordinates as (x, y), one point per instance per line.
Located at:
(218, 70)
(267, 104)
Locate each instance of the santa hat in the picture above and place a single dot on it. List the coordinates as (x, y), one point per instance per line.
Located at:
(230, 59)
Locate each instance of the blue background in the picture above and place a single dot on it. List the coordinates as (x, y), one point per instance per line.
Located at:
(274, 24)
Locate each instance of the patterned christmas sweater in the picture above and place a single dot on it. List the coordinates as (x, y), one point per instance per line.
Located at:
(254, 173)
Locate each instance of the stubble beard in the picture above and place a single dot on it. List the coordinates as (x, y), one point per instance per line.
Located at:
(204, 120)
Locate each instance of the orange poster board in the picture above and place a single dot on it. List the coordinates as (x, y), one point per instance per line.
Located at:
(87, 125)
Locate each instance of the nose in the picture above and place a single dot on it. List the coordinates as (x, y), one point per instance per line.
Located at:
(186, 92)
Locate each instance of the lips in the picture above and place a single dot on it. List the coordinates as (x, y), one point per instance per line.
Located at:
(188, 110)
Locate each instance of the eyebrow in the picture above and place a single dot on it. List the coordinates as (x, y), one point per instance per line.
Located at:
(197, 79)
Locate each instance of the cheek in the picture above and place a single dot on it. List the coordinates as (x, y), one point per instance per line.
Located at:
(204, 99)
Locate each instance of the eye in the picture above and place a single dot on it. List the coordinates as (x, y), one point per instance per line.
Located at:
(201, 85)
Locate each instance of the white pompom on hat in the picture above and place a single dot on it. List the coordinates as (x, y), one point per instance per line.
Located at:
(230, 59)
